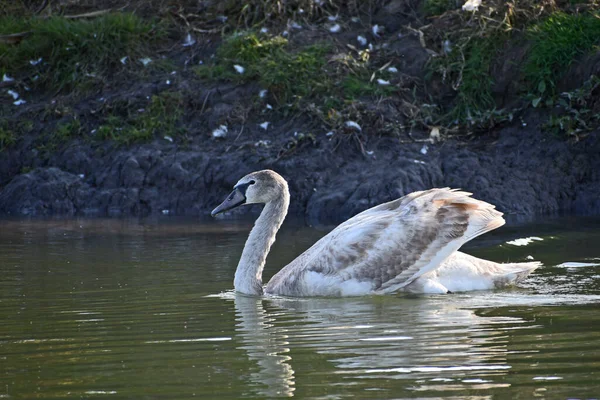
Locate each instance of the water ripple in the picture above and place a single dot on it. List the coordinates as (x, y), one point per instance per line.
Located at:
(119, 310)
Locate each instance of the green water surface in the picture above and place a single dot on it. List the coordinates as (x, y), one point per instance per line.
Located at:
(122, 309)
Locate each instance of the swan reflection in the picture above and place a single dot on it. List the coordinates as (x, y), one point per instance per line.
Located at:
(430, 339)
(267, 344)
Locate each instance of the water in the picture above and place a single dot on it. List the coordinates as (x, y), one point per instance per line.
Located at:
(128, 309)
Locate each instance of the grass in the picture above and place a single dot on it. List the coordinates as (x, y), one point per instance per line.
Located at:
(11, 132)
(7, 138)
(74, 53)
(66, 131)
(468, 69)
(162, 114)
(580, 111)
(308, 79)
(334, 82)
(268, 60)
(122, 133)
(329, 85)
(437, 7)
(160, 117)
(557, 42)
(474, 92)
(62, 133)
(252, 14)
(355, 86)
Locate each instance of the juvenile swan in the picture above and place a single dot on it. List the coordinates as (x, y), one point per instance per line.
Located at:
(408, 244)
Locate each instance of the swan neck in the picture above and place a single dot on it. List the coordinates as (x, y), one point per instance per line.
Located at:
(248, 276)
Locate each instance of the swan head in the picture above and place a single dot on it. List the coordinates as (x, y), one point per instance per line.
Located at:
(257, 187)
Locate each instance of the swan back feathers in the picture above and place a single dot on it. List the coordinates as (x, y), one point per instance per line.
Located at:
(390, 245)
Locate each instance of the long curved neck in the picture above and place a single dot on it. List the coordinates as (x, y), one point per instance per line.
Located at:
(248, 276)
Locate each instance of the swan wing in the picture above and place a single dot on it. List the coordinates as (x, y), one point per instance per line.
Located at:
(387, 247)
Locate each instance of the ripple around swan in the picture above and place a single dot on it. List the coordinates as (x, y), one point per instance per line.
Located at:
(106, 313)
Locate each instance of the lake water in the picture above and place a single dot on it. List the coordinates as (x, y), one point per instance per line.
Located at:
(144, 310)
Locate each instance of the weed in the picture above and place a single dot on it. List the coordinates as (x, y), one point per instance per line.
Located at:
(556, 42)
(355, 87)
(284, 73)
(258, 13)
(119, 131)
(296, 142)
(63, 53)
(476, 39)
(468, 69)
(7, 138)
(25, 126)
(62, 133)
(474, 89)
(581, 111)
(307, 80)
(67, 131)
(160, 117)
(107, 130)
(437, 7)
(162, 114)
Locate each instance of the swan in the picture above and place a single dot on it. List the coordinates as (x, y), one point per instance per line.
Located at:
(408, 244)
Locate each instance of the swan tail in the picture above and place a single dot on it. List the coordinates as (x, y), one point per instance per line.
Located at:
(463, 273)
(510, 274)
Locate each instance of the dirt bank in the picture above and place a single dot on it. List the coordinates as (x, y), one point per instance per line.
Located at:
(521, 170)
(59, 164)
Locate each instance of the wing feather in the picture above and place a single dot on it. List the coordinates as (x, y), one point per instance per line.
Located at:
(390, 245)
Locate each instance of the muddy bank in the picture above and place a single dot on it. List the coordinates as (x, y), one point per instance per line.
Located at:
(142, 141)
(521, 170)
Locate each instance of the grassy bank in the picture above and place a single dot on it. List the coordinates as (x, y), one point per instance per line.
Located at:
(549, 43)
(58, 53)
(328, 63)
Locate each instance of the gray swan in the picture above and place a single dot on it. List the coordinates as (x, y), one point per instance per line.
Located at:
(409, 244)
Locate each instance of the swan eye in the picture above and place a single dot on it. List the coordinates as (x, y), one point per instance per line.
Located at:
(252, 182)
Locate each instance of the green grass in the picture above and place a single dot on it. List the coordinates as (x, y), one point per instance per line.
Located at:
(356, 86)
(75, 53)
(286, 74)
(474, 92)
(302, 78)
(67, 131)
(161, 117)
(162, 114)
(557, 42)
(7, 138)
(468, 69)
(328, 84)
(580, 111)
(437, 7)
(121, 133)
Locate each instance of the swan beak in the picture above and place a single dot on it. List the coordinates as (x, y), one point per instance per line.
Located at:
(236, 198)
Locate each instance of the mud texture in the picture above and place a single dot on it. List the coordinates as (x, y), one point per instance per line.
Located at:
(522, 170)
(518, 166)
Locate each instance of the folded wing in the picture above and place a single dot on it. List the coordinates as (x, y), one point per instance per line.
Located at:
(387, 247)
